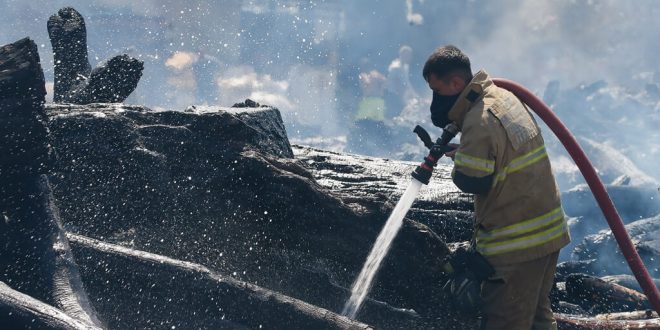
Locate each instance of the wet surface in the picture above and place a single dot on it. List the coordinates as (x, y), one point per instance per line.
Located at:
(440, 205)
(214, 186)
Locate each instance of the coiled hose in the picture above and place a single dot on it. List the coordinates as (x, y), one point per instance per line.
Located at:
(597, 188)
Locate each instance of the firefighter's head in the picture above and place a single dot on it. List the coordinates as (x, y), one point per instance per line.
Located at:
(447, 71)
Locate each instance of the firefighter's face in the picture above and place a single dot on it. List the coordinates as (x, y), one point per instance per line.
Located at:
(451, 86)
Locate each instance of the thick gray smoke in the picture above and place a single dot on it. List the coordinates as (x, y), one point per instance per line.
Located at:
(594, 61)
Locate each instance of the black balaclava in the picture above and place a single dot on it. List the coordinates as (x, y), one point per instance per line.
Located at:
(440, 107)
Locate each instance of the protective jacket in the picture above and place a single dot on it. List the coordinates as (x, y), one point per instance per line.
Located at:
(518, 216)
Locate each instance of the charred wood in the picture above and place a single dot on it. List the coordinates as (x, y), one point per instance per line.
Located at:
(20, 311)
(568, 308)
(375, 183)
(35, 257)
(75, 82)
(571, 322)
(68, 36)
(599, 296)
(112, 82)
(628, 281)
(576, 267)
(187, 295)
(196, 186)
(636, 315)
(247, 104)
(24, 144)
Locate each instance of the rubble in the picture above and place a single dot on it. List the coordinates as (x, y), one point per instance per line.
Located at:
(628, 281)
(138, 178)
(123, 282)
(572, 322)
(213, 186)
(602, 247)
(598, 296)
(170, 212)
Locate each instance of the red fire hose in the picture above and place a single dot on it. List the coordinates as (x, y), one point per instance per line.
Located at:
(597, 187)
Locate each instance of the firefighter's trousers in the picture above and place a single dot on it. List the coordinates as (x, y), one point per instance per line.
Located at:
(517, 296)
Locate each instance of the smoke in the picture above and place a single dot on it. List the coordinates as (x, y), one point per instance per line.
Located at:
(242, 82)
(306, 57)
(595, 63)
(181, 60)
(412, 17)
(570, 41)
(615, 163)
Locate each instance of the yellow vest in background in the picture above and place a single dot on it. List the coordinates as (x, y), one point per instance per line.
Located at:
(371, 107)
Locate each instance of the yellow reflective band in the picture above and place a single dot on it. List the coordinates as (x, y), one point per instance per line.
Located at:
(528, 159)
(523, 242)
(521, 162)
(522, 227)
(474, 163)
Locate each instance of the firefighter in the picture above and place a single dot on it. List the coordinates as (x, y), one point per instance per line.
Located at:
(501, 159)
(399, 92)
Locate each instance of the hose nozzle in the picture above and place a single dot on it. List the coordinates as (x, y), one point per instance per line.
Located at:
(424, 171)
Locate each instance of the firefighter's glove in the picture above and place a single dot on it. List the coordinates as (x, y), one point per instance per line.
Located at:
(456, 261)
(465, 292)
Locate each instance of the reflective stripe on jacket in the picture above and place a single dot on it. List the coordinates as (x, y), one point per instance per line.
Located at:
(520, 218)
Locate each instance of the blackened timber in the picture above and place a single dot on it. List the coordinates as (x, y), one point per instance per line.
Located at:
(600, 296)
(75, 82)
(34, 255)
(188, 295)
(112, 82)
(68, 36)
(636, 315)
(24, 144)
(571, 322)
(20, 311)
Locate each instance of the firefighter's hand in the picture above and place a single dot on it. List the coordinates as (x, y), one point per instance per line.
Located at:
(452, 154)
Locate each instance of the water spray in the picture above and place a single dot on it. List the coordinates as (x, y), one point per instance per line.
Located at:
(421, 175)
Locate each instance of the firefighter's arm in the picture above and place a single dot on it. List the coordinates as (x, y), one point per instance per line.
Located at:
(474, 161)
(472, 185)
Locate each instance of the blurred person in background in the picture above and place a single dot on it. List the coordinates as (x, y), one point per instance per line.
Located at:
(398, 90)
(205, 69)
(369, 135)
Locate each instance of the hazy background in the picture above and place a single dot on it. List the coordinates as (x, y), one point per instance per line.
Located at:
(600, 59)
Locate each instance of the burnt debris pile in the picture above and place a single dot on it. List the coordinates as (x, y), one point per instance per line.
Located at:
(221, 187)
(75, 81)
(206, 216)
(41, 285)
(209, 218)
